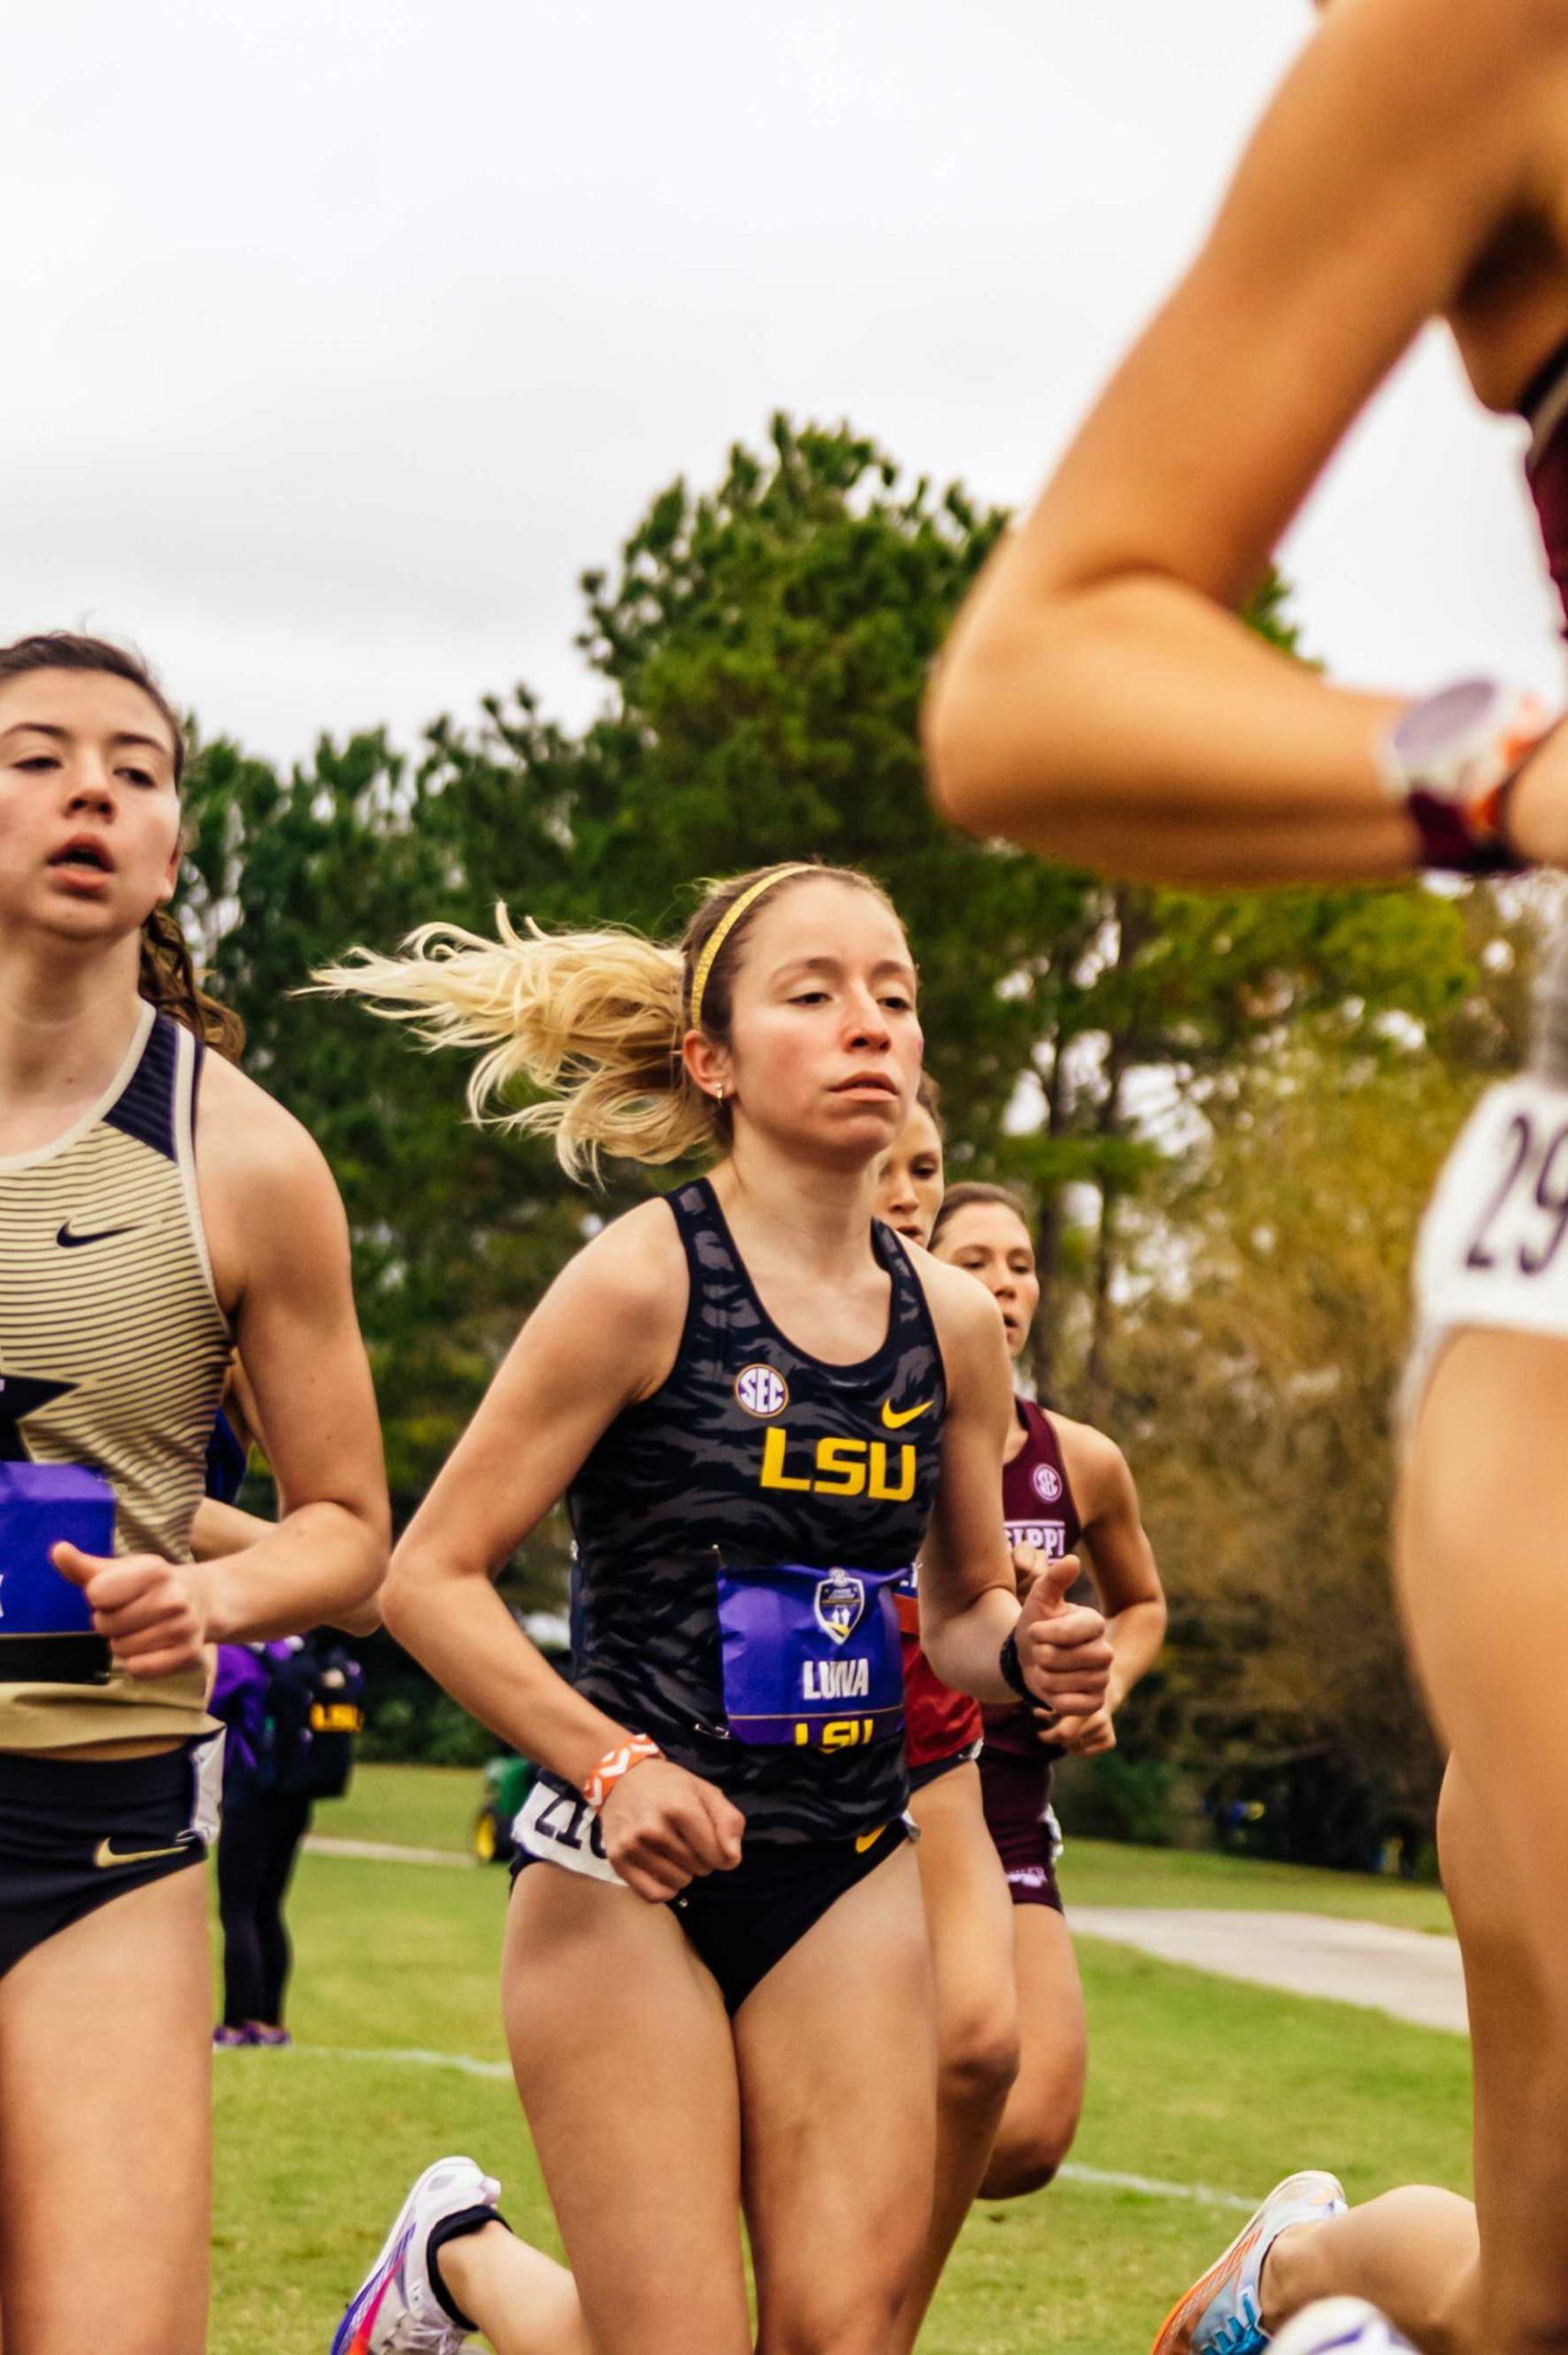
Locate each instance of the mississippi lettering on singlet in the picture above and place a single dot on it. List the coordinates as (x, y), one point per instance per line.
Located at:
(113, 1348)
(1038, 1509)
(746, 1525)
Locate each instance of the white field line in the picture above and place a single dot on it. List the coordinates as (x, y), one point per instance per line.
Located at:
(378, 1851)
(1098, 2178)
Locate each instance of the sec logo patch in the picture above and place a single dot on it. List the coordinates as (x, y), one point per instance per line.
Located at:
(1048, 1483)
(762, 1391)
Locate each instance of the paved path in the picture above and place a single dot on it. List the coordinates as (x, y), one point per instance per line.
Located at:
(1408, 1973)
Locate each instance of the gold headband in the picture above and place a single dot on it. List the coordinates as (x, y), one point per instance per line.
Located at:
(727, 924)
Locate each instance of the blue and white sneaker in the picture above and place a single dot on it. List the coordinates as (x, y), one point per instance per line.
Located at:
(1340, 2327)
(396, 2311)
(1222, 2313)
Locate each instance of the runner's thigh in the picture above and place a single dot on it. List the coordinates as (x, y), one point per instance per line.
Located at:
(105, 2130)
(969, 1917)
(622, 2051)
(837, 2054)
(1486, 1484)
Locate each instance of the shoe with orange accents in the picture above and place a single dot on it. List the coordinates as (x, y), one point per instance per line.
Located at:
(1222, 2313)
(401, 2307)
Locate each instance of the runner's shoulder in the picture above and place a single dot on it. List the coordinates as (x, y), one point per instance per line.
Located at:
(633, 1271)
(247, 1140)
(963, 1311)
(1097, 1468)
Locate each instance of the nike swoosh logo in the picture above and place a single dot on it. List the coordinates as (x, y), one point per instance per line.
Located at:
(868, 1840)
(895, 1422)
(106, 1854)
(70, 1242)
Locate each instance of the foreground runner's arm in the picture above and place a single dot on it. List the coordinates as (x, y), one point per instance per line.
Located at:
(1121, 1561)
(1098, 699)
(220, 1528)
(279, 1243)
(604, 1335)
(968, 1595)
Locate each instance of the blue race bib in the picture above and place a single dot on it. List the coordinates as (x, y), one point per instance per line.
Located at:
(42, 1505)
(811, 1656)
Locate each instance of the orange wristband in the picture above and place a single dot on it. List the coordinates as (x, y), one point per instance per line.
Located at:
(616, 1763)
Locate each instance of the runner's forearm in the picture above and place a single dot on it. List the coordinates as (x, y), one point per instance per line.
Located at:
(963, 1646)
(457, 1626)
(1136, 1637)
(1133, 727)
(317, 1565)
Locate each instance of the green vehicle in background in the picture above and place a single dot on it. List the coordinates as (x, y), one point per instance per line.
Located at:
(507, 1782)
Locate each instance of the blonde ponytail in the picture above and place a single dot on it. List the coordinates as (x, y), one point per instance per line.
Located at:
(594, 1017)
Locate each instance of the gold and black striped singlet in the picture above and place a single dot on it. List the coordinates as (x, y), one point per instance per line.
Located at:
(113, 1352)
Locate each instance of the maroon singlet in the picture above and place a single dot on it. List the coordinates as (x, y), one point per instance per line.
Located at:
(1544, 404)
(1039, 1507)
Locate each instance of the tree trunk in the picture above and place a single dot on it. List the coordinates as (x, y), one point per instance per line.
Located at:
(1043, 1342)
(1132, 926)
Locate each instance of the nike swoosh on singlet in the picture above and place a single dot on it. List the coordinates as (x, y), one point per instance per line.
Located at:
(893, 1421)
(69, 1242)
(106, 1854)
(868, 1840)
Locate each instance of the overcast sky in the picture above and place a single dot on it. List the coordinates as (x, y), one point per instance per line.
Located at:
(342, 336)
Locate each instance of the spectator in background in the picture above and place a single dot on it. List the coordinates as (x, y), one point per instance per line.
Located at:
(261, 1837)
(290, 1709)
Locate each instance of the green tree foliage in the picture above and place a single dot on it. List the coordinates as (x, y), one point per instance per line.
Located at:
(1255, 1385)
(762, 646)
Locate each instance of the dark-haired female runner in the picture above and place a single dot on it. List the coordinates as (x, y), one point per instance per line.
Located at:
(1066, 1490)
(716, 1977)
(143, 1227)
(967, 1909)
(1100, 700)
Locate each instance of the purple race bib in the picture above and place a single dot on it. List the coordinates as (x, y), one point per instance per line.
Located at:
(46, 1627)
(811, 1656)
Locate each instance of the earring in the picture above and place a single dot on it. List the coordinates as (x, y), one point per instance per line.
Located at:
(718, 1093)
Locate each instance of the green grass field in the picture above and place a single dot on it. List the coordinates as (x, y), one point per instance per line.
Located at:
(1193, 2081)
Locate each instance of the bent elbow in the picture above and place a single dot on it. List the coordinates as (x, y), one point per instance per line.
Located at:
(994, 741)
(399, 1598)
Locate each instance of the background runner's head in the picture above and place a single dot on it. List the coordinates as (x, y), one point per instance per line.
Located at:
(909, 1176)
(986, 1230)
(92, 758)
(785, 1013)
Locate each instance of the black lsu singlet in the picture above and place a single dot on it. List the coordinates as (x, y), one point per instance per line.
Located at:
(753, 1453)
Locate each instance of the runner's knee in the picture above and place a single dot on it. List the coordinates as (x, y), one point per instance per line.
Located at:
(1028, 2151)
(979, 2060)
(850, 2324)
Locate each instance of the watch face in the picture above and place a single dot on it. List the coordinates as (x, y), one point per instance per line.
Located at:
(1447, 728)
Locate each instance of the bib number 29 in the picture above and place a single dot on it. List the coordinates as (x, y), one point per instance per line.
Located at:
(1525, 1219)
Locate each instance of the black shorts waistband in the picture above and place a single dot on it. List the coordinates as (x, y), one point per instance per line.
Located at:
(42, 1779)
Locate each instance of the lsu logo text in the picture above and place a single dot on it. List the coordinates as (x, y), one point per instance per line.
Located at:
(838, 1467)
(840, 1733)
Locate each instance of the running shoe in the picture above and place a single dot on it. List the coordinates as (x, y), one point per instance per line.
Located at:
(1221, 2313)
(231, 2040)
(396, 2311)
(1340, 2327)
(271, 2039)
